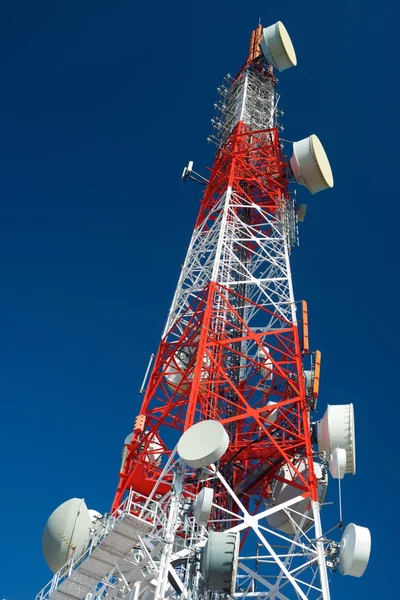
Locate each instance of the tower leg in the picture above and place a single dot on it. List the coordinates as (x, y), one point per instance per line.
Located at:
(169, 533)
(320, 552)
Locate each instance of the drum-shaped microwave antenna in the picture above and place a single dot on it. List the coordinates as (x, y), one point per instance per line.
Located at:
(336, 430)
(219, 559)
(354, 550)
(310, 165)
(66, 533)
(203, 444)
(277, 47)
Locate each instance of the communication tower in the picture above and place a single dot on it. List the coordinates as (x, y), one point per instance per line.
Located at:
(225, 473)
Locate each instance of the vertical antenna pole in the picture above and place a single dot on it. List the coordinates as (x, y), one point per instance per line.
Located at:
(146, 374)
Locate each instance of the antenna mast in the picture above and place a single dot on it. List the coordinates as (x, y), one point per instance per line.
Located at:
(224, 475)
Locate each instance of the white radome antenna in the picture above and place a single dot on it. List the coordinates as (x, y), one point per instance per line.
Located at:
(354, 550)
(66, 532)
(277, 47)
(203, 444)
(310, 165)
(336, 430)
(219, 560)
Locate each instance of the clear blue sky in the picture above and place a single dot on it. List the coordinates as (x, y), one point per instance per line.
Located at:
(101, 105)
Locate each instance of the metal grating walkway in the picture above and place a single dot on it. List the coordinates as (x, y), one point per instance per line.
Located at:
(103, 557)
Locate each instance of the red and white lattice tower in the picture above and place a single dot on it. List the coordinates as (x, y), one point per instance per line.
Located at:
(223, 476)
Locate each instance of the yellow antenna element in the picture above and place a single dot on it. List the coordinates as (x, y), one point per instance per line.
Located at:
(317, 371)
(306, 344)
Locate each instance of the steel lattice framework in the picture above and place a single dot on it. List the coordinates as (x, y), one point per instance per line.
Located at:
(231, 342)
(233, 350)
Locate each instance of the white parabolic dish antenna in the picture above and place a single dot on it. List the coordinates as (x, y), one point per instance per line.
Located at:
(354, 550)
(66, 532)
(310, 165)
(277, 47)
(336, 430)
(203, 444)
